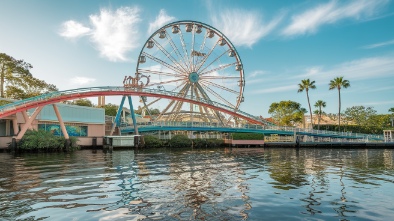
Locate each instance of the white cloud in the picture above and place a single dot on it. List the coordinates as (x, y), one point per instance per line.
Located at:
(161, 20)
(361, 69)
(73, 29)
(256, 73)
(309, 21)
(243, 27)
(276, 89)
(114, 33)
(82, 80)
(381, 44)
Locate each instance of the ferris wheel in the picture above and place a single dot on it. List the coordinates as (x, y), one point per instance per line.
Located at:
(196, 60)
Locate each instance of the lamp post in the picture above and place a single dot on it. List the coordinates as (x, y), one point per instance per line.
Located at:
(392, 121)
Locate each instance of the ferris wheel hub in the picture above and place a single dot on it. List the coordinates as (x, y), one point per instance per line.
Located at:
(193, 77)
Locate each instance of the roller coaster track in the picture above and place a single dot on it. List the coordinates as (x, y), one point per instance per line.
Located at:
(58, 96)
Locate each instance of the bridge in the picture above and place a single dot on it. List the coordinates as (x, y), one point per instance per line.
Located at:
(260, 129)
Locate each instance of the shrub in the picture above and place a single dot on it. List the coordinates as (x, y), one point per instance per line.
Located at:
(200, 143)
(44, 141)
(215, 142)
(179, 141)
(152, 141)
(247, 136)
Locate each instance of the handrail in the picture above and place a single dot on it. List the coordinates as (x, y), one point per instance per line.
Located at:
(58, 94)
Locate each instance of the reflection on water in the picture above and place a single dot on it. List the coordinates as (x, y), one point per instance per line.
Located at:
(220, 184)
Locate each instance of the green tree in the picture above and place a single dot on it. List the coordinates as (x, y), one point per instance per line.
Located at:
(286, 113)
(306, 84)
(319, 104)
(27, 86)
(339, 83)
(83, 102)
(391, 110)
(17, 82)
(360, 115)
(12, 70)
(111, 109)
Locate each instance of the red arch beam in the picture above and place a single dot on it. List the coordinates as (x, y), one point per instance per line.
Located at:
(78, 95)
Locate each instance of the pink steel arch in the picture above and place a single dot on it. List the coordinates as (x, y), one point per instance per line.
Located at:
(83, 94)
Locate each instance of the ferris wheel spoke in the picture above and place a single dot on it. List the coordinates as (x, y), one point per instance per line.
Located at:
(216, 113)
(201, 107)
(169, 56)
(177, 52)
(166, 82)
(216, 59)
(219, 68)
(145, 71)
(206, 56)
(192, 58)
(218, 96)
(166, 109)
(162, 62)
(218, 77)
(156, 100)
(220, 86)
(187, 60)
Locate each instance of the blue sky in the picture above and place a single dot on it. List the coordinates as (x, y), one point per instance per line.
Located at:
(75, 44)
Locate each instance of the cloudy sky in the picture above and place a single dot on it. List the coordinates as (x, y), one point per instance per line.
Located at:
(75, 44)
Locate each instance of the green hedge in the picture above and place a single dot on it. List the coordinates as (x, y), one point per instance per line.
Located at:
(352, 128)
(202, 143)
(247, 136)
(41, 140)
(152, 142)
(179, 141)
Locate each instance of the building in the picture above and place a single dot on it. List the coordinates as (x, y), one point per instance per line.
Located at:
(85, 123)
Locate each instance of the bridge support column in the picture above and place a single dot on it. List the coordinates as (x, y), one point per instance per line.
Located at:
(28, 122)
(15, 126)
(133, 115)
(59, 118)
(117, 117)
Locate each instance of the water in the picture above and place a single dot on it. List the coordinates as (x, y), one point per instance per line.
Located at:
(220, 184)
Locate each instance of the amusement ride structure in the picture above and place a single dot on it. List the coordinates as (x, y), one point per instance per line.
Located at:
(193, 60)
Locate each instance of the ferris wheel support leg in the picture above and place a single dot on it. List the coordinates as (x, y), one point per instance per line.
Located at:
(133, 115)
(117, 117)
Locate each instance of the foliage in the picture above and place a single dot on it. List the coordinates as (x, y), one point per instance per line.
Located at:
(3, 102)
(319, 104)
(153, 111)
(353, 129)
(111, 109)
(17, 82)
(247, 136)
(359, 115)
(215, 142)
(152, 141)
(306, 84)
(202, 143)
(42, 140)
(391, 110)
(286, 113)
(83, 102)
(179, 141)
(339, 83)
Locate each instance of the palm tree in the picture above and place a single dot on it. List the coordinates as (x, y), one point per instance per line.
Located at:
(339, 83)
(319, 104)
(306, 84)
